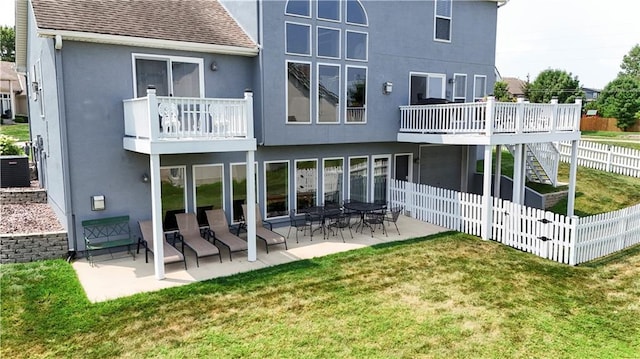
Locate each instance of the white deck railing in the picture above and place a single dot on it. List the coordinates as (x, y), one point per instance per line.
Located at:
(491, 117)
(158, 117)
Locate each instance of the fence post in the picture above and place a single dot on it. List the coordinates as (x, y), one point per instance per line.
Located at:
(408, 198)
(573, 239)
(490, 114)
(609, 155)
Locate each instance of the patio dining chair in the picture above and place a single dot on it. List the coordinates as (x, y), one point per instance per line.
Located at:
(192, 236)
(267, 235)
(373, 220)
(299, 223)
(339, 222)
(219, 231)
(170, 253)
(392, 216)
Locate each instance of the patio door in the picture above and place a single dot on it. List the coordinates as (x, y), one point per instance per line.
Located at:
(404, 167)
(426, 86)
(171, 76)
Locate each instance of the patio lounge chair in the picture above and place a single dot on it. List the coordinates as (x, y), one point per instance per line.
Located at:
(171, 254)
(189, 232)
(219, 231)
(269, 237)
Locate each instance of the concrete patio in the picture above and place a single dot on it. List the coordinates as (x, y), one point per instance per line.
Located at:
(113, 278)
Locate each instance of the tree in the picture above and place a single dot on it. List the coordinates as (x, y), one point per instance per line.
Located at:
(554, 83)
(631, 63)
(501, 92)
(621, 99)
(7, 43)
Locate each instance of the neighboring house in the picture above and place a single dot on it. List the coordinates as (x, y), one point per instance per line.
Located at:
(515, 86)
(13, 93)
(322, 122)
(591, 94)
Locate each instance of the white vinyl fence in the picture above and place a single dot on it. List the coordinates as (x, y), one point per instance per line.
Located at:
(569, 240)
(604, 157)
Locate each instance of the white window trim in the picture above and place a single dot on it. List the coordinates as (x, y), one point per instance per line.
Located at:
(343, 181)
(366, 94)
(450, 18)
(366, 46)
(475, 79)
(339, 43)
(243, 164)
(317, 90)
(40, 92)
(286, 92)
(366, 16)
(410, 165)
(295, 181)
(372, 176)
(310, 39)
(427, 75)
(169, 59)
(349, 174)
(193, 181)
(455, 86)
(184, 185)
(298, 15)
(330, 20)
(264, 202)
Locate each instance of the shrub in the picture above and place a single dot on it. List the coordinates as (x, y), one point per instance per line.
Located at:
(8, 146)
(21, 119)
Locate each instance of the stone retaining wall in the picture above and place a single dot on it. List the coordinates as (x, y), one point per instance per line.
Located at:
(20, 248)
(551, 199)
(23, 195)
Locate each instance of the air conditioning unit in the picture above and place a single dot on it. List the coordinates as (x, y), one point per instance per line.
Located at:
(14, 171)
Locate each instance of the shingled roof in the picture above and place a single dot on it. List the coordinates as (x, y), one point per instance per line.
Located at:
(196, 21)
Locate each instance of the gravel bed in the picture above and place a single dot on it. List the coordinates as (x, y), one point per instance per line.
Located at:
(28, 218)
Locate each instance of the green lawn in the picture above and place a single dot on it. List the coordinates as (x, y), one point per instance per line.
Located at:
(596, 191)
(444, 296)
(609, 134)
(19, 131)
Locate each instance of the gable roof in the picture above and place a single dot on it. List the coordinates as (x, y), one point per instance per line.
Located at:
(194, 21)
(515, 86)
(9, 78)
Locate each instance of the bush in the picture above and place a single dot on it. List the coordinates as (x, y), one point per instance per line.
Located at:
(8, 146)
(21, 119)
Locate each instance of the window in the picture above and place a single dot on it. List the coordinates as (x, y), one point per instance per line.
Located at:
(239, 189)
(426, 86)
(328, 42)
(208, 189)
(328, 93)
(329, 10)
(381, 176)
(306, 184)
(298, 92)
(355, 13)
(298, 39)
(358, 173)
(356, 95)
(356, 46)
(333, 178)
(459, 87)
(276, 176)
(479, 87)
(298, 7)
(173, 194)
(442, 21)
(171, 76)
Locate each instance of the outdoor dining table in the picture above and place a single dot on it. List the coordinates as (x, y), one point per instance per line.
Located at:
(320, 214)
(363, 208)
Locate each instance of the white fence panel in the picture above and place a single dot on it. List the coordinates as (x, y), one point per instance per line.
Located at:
(604, 157)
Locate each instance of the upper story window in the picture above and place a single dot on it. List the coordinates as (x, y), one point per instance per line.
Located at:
(170, 75)
(479, 87)
(442, 21)
(336, 93)
(459, 88)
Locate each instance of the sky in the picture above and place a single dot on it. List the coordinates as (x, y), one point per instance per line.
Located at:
(587, 38)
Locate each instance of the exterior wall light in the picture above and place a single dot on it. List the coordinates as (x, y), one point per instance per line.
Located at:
(387, 87)
(145, 178)
(97, 203)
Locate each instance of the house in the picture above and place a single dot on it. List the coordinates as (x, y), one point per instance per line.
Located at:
(515, 86)
(146, 104)
(591, 94)
(13, 93)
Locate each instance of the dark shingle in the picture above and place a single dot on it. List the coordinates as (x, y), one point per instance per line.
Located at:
(199, 21)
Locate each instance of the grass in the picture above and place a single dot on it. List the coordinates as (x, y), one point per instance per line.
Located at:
(18, 130)
(608, 134)
(596, 191)
(444, 296)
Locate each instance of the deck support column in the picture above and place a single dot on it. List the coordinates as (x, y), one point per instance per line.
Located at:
(250, 219)
(498, 173)
(573, 172)
(486, 194)
(517, 174)
(156, 216)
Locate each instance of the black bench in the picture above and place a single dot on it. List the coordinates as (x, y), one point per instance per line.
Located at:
(107, 233)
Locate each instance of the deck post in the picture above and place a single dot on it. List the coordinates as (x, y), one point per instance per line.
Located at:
(152, 101)
(519, 114)
(554, 114)
(156, 216)
(490, 115)
(573, 171)
(517, 174)
(250, 219)
(498, 173)
(486, 194)
(578, 114)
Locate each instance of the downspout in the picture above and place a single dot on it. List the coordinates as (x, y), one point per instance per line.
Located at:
(261, 68)
(64, 150)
